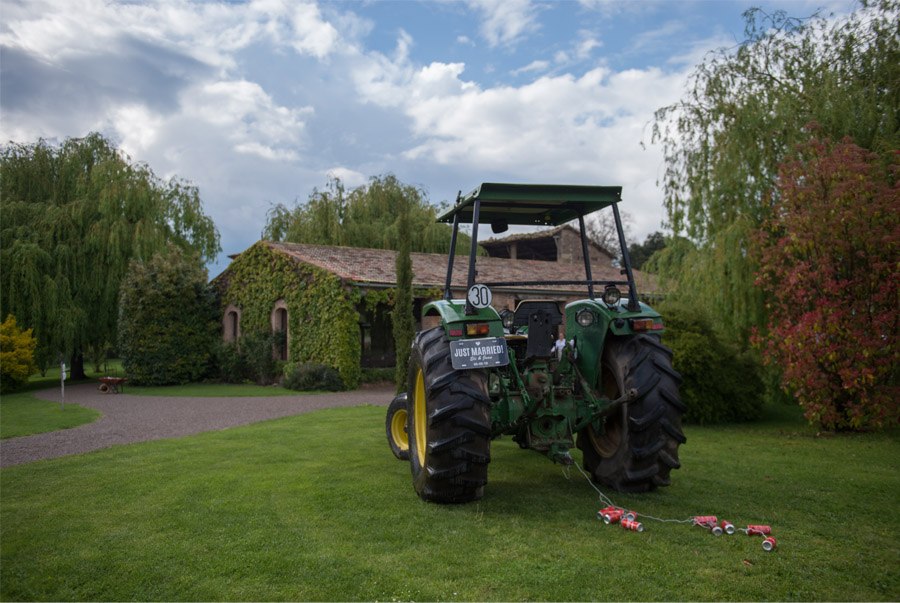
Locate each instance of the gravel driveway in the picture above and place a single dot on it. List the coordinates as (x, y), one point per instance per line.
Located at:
(128, 419)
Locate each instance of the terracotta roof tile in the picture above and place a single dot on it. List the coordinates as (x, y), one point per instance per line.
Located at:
(377, 267)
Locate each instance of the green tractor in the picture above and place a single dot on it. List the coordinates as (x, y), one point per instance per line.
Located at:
(607, 384)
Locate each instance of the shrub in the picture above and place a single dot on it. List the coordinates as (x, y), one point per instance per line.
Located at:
(167, 320)
(377, 375)
(309, 376)
(719, 383)
(250, 358)
(16, 355)
(257, 357)
(228, 365)
(828, 259)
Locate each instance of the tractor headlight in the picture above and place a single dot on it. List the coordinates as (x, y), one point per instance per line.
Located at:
(611, 295)
(585, 318)
(507, 318)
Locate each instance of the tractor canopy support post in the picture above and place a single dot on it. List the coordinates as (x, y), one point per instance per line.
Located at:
(473, 252)
(633, 304)
(586, 255)
(447, 295)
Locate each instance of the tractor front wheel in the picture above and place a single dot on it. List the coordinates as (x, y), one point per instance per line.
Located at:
(638, 445)
(395, 426)
(449, 423)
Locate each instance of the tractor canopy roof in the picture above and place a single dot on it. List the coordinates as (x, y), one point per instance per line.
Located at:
(532, 204)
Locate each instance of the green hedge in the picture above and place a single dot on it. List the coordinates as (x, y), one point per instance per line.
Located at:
(720, 384)
(167, 320)
(309, 376)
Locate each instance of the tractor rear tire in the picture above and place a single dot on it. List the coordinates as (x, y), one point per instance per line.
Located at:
(639, 444)
(449, 423)
(395, 426)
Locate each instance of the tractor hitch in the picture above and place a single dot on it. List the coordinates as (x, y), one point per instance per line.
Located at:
(560, 455)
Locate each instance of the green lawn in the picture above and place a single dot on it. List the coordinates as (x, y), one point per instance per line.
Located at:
(22, 414)
(314, 507)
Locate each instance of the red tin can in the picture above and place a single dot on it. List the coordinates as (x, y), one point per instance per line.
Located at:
(769, 544)
(631, 515)
(630, 524)
(612, 516)
(707, 521)
(717, 530)
(604, 511)
(759, 530)
(727, 527)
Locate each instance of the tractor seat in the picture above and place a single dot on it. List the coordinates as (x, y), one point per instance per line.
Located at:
(528, 307)
(542, 317)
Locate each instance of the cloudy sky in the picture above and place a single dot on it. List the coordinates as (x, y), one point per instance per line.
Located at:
(258, 102)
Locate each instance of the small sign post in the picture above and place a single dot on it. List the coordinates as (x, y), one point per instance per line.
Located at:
(62, 384)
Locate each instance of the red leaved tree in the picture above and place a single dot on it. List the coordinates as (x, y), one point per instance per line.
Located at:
(830, 266)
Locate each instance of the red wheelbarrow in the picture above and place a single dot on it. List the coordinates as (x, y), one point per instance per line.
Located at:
(112, 385)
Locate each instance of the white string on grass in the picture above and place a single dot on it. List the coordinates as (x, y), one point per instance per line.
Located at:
(607, 500)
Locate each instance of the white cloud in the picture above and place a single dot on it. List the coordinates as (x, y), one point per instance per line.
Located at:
(311, 34)
(138, 127)
(350, 178)
(561, 128)
(586, 45)
(505, 22)
(255, 123)
(533, 66)
(207, 32)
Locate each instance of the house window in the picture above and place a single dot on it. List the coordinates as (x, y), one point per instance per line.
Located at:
(376, 337)
(280, 326)
(231, 324)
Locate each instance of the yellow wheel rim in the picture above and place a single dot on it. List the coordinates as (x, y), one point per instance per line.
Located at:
(419, 416)
(398, 430)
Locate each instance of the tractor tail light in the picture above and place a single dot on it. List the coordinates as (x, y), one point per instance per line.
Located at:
(646, 324)
(476, 329)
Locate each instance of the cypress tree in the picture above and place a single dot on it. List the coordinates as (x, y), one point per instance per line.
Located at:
(404, 325)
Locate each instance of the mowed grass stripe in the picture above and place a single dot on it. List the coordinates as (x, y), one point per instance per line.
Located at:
(315, 507)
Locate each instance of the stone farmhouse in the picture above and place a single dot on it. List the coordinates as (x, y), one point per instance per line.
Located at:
(334, 303)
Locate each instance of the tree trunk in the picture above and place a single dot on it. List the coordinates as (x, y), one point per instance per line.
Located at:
(77, 366)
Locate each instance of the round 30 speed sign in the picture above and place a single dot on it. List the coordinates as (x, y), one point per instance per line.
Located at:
(480, 296)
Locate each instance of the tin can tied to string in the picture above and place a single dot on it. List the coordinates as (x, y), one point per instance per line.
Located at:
(610, 514)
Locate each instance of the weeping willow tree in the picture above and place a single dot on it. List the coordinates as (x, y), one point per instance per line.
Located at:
(366, 216)
(743, 112)
(73, 217)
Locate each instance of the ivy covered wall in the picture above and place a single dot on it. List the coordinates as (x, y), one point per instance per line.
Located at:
(323, 322)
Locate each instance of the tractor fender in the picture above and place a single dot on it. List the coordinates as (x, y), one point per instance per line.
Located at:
(453, 314)
(591, 339)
